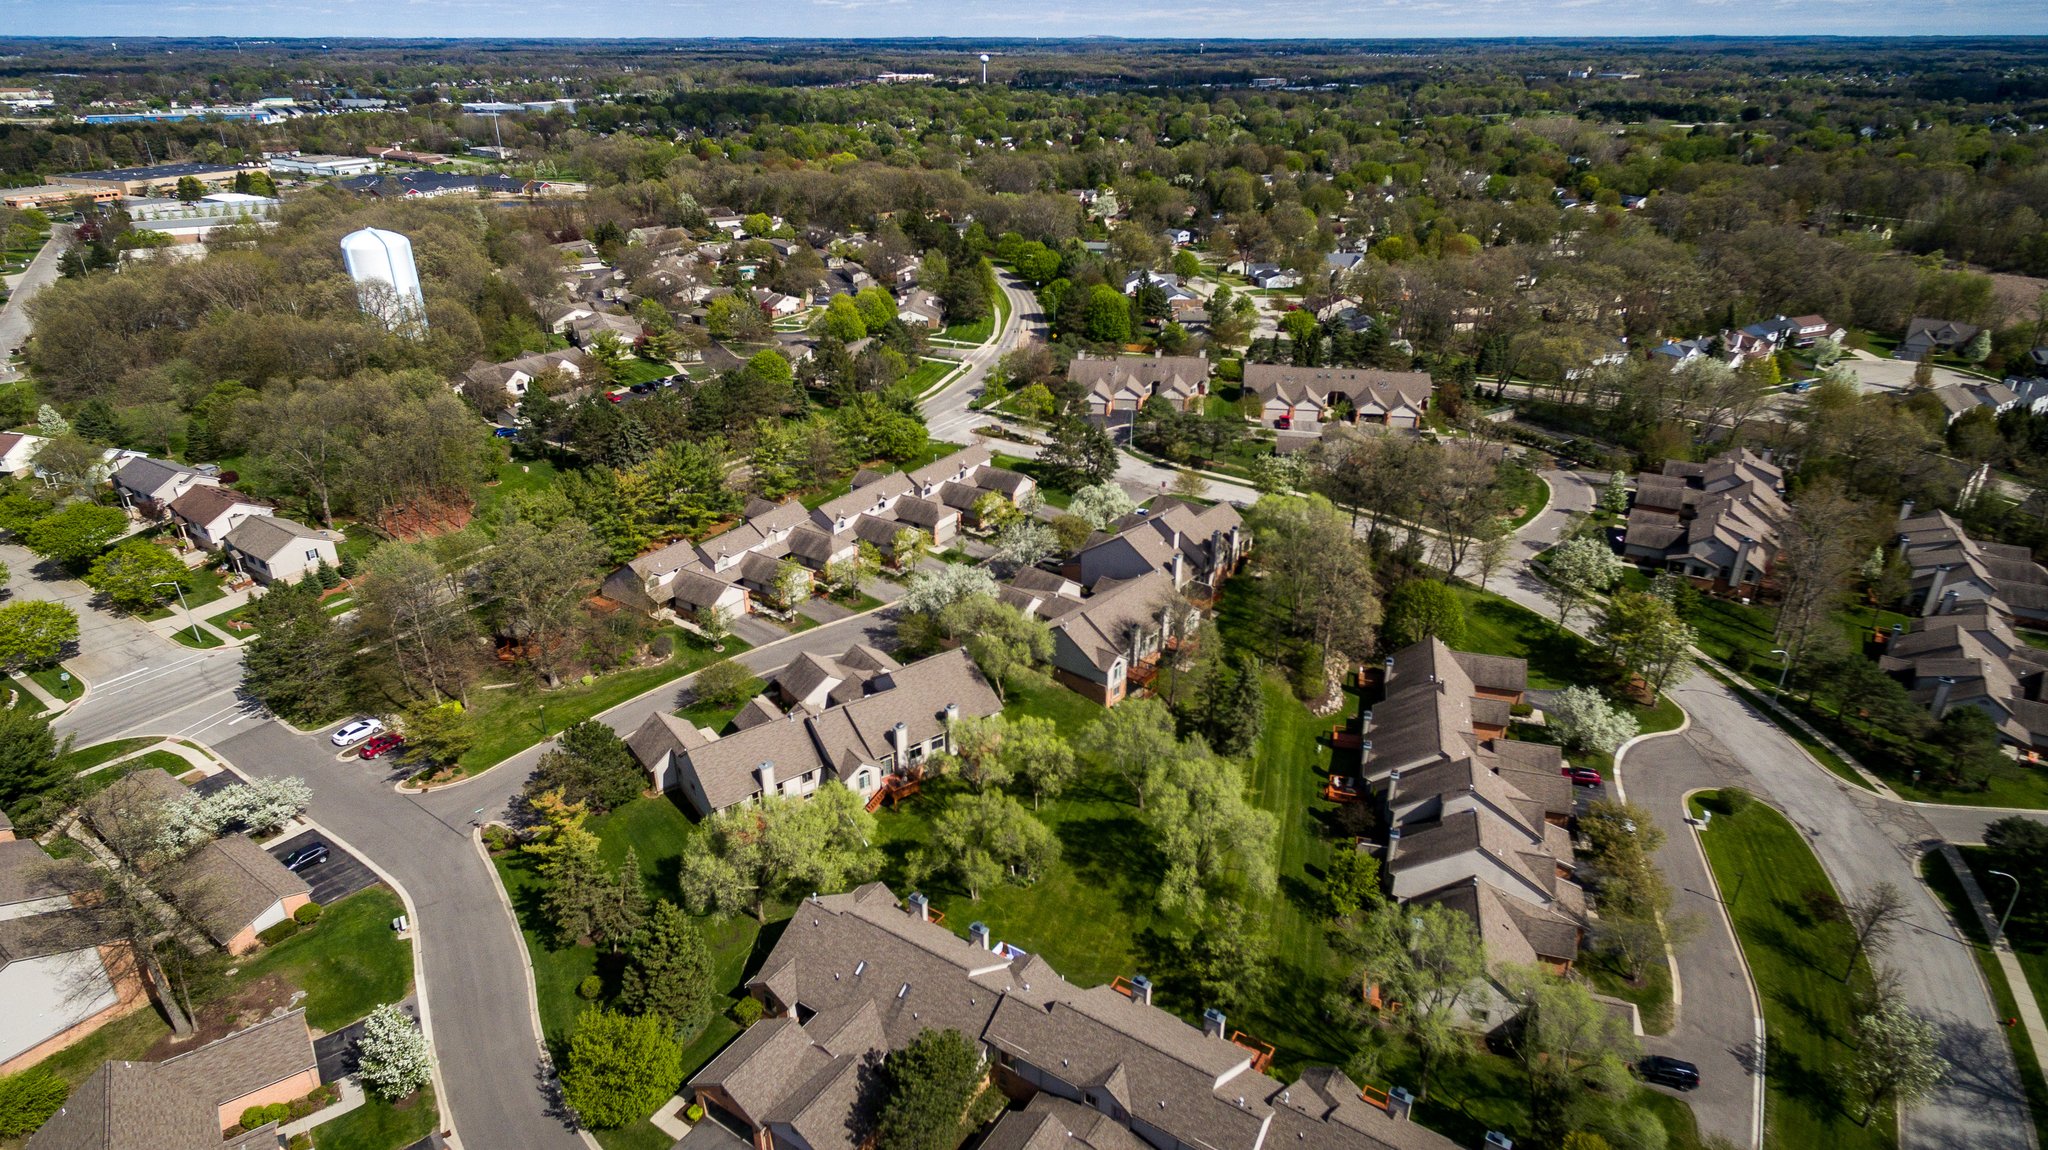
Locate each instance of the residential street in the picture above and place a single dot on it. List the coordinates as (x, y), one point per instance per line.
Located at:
(40, 273)
(1861, 840)
(477, 994)
(946, 414)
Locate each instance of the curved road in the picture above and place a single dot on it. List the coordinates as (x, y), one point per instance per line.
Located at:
(1862, 839)
(40, 273)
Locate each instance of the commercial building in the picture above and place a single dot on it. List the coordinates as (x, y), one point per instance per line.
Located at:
(48, 196)
(317, 165)
(146, 180)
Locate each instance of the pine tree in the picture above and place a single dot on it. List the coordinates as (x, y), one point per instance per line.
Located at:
(577, 884)
(668, 969)
(622, 906)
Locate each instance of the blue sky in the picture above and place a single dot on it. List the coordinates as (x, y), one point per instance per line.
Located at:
(1010, 18)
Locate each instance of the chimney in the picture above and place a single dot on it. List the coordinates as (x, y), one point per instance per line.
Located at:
(1943, 687)
(977, 933)
(1933, 603)
(1905, 545)
(1738, 573)
(1400, 1103)
(1906, 509)
(920, 906)
(1948, 602)
(1212, 1023)
(1141, 990)
(952, 713)
(899, 737)
(767, 771)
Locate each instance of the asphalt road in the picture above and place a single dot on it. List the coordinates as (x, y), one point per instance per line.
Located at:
(946, 413)
(479, 1001)
(40, 273)
(1861, 840)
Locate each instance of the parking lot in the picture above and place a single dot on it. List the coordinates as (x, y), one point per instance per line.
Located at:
(342, 875)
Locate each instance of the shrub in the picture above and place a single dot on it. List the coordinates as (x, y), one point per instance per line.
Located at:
(1309, 673)
(695, 1113)
(1740, 660)
(499, 839)
(252, 1117)
(590, 988)
(1733, 800)
(28, 1099)
(272, 935)
(663, 646)
(747, 1010)
(308, 914)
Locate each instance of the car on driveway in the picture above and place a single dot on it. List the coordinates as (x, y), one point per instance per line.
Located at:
(356, 731)
(1582, 776)
(310, 855)
(1673, 1072)
(383, 744)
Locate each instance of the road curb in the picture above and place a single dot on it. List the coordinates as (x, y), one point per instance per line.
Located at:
(1756, 1003)
(1621, 792)
(540, 1039)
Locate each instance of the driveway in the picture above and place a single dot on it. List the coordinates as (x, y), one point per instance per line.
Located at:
(342, 875)
(336, 1052)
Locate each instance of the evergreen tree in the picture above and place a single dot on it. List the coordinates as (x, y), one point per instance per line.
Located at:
(298, 664)
(668, 969)
(617, 915)
(28, 755)
(927, 1086)
(1240, 716)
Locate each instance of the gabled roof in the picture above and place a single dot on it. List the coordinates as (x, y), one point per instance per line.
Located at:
(226, 884)
(1102, 626)
(205, 503)
(1315, 385)
(268, 536)
(146, 476)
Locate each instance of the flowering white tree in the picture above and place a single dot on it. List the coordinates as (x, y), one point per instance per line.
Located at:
(930, 592)
(391, 1056)
(1579, 569)
(1897, 1061)
(1025, 542)
(1585, 719)
(1615, 498)
(262, 805)
(1102, 505)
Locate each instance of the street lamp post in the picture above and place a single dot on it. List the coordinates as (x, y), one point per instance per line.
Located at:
(194, 623)
(2010, 902)
(543, 722)
(1784, 669)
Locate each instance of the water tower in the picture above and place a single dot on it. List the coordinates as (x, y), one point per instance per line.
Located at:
(984, 67)
(387, 284)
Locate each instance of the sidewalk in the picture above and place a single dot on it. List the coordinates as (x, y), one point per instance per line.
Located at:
(2015, 976)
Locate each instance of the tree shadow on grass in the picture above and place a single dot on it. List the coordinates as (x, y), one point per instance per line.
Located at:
(1113, 850)
(1791, 1075)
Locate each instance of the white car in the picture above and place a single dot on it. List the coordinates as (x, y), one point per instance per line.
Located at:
(356, 732)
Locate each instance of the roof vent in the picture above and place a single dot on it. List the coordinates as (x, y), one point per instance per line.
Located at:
(906, 990)
(860, 968)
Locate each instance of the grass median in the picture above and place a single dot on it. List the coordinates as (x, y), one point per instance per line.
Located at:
(1773, 887)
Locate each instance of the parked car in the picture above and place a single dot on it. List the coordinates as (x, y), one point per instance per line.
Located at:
(1582, 776)
(310, 855)
(617, 394)
(1673, 1072)
(1284, 423)
(383, 744)
(505, 432)
(356, 731)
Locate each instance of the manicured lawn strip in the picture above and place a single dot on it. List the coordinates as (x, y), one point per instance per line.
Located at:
(927, 372)
(206, 640)
(126, 1038)
(223, 621)
(1764, 870)
(642, 1135)
(508, 722)
(86, 758)
(348, 963)
(1942, 879)
(1524, 489)
(379, 1125)
(51, 680)
(858, 603)
(1652, 997)
(636, 371)
(555, 972)
(173, 765)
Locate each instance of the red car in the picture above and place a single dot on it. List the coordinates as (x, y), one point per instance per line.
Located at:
(1582, 776)
(383, 744)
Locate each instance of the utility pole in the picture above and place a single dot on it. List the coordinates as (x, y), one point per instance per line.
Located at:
(181, 602)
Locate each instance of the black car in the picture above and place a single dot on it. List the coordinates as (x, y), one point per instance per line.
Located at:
(310, 855)
(1673, 1072)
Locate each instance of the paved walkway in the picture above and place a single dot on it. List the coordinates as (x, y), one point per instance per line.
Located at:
(2001, 946)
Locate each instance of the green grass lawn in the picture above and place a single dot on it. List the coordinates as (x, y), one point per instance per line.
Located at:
(1942, 879)
(636, 370)
(977, 332)
(1496, 626)
(206, 639)
(207, 586)
(171, 764)
(58, 683)
(859, 602)
(380, 1125)
(86, 758)
(925, 374)
(348, 963)
(509, 721)
(515, 477)
(1526, 490)
(2027, 929)
(656, 830)
(226, 621)
(1765, 870)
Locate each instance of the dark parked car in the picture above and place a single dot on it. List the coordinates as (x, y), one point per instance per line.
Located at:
(310, 855)
(1673, 1072)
